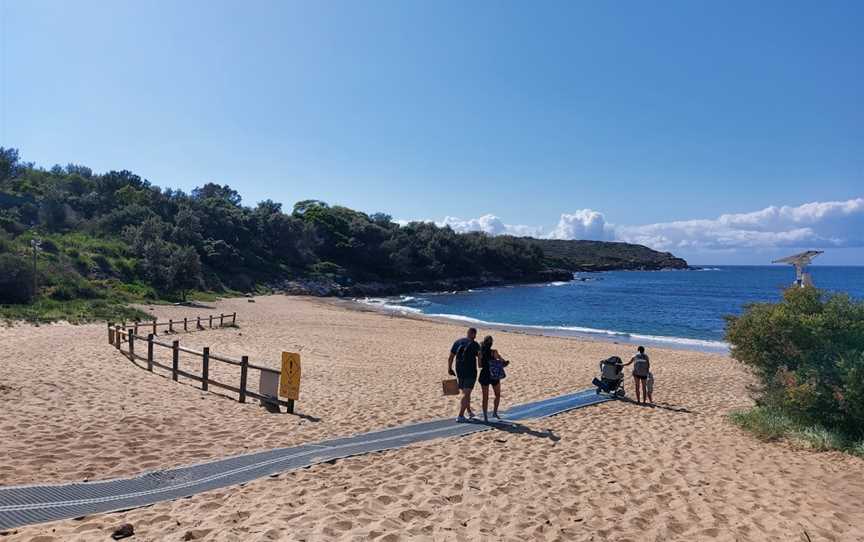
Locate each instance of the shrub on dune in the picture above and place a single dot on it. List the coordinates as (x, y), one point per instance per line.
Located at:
(807, 353)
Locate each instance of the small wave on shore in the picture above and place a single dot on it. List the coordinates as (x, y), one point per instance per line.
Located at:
(608, 334)
(392, 304)
(407, 304)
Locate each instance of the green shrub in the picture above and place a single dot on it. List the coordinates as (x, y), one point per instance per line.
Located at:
(766, 423)
(68, 291)
(49, 246)
(821, 439)
(103, 263)
(16, 279)
(327, 268)
(808, 355)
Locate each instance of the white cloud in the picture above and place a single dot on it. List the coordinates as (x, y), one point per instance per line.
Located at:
(583, 224)
(490, 224)
(811, 225)
(815, 225)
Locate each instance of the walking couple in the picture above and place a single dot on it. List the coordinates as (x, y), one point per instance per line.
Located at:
(469, 356)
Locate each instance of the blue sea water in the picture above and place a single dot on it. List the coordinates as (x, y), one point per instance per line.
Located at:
(664, 308)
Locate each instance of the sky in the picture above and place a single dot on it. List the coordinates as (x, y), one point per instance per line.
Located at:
(725, 132)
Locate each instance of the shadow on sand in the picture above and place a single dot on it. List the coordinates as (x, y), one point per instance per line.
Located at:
(519, 429)
(664, 406)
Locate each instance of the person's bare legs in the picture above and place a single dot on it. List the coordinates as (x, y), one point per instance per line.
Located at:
(497, 389)
(636, 385)
(648, 393)
(485, 388)
(465, 404)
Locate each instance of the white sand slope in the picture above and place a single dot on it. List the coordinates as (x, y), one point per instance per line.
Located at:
(74, 409)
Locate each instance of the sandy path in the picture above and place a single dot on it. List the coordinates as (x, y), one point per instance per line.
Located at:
(74, 409)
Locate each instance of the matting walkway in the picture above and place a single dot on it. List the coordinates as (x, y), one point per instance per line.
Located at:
(23, 505)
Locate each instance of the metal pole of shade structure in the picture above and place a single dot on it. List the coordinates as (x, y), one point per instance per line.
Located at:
(801, 261)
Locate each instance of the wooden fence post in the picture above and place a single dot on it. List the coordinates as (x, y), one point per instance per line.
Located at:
(221, 319)
(150, 352)
(205, 367)
(175, 361)
(198, 325)
(234, 320)
(185, 326)
(244, 369)
(136, 327)
(131, 345)
(211, 321)
(117, 337)
(110, 334)
(154, 327)
(170, 326)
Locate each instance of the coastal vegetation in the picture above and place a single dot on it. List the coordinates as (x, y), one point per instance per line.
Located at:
(583, 255)
(79, 245)
(807, 354)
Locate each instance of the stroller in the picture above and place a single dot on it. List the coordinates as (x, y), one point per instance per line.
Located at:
(611, 379)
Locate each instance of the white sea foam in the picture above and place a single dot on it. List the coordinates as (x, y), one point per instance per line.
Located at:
(659, 340)
(390, 304)
(394, 305)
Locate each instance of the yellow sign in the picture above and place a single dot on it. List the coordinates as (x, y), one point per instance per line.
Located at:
(289, 380)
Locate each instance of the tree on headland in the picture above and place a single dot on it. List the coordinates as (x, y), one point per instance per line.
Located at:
(118, 232)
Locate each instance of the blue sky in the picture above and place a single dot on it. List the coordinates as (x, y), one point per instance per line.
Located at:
(643, 113)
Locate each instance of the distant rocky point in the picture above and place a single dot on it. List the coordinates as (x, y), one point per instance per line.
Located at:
(562, 258)
(606, 256)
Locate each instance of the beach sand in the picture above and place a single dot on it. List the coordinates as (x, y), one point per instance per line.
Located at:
(73, 409)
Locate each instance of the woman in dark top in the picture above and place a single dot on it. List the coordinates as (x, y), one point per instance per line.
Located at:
(488, 355)
(641, 372)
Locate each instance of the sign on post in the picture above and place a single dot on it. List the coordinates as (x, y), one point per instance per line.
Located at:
(289, 380)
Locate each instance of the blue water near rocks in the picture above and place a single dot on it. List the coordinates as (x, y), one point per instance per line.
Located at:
(662, 308)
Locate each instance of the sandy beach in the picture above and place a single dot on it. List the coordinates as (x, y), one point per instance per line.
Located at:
(75, 409)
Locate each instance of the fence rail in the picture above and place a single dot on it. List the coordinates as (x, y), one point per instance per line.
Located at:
(119, 334)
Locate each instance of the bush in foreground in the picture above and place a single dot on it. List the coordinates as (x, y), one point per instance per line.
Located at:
(807, 353)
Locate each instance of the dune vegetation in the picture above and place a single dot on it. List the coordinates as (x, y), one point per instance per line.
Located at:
(807, 354)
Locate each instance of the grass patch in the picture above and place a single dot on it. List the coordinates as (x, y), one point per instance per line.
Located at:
(771, 424)
(76, 311)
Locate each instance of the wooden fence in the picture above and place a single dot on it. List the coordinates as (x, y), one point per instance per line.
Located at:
(118, 335)
(173, 326)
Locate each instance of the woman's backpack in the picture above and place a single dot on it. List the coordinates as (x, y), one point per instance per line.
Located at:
(640, 365)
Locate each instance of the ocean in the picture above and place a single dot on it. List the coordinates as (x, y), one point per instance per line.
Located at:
(683, 309)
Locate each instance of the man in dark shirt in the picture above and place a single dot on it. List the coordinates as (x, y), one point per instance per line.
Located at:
(465, 352)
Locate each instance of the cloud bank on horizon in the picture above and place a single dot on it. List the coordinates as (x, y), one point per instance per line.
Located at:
(837, 224)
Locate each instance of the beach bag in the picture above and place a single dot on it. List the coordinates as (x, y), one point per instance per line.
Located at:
(450, 386)
(496, 369)
(640, 366)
